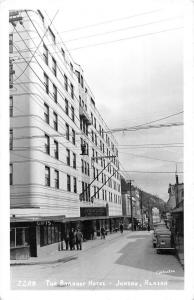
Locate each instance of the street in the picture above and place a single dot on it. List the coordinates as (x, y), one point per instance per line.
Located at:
(127, 261)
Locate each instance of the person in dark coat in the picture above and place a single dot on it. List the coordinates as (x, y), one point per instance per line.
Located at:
(79, 239)
(72, 239)
(121, 228)
(102, 230)
(66, 238)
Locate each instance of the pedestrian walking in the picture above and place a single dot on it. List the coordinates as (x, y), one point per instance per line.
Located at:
(102, 230)
(121, 228)
(72, 239)
(79, 239)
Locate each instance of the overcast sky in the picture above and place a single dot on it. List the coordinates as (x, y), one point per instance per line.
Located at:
(134, 80)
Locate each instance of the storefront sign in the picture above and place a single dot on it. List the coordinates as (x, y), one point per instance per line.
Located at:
(93, 211)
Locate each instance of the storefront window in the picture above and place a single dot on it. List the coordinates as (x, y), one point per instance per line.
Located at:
(12, 238)
(19, 237)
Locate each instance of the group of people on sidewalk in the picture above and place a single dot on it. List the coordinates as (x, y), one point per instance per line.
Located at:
(73, 238)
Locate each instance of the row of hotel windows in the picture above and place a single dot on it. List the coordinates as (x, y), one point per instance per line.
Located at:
(105, 179)
(56, 185)
(56, 180)
(53, 38)
(55, 91)
(86, 194)
(101, 132)
(108, 153)
(56, 152)
(55, 123)
(54, 71)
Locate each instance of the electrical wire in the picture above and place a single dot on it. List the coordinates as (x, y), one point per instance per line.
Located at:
(124, 39)
(110, 21)
(37, 46)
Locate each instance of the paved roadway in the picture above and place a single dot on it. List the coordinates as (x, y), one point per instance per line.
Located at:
(126, 262)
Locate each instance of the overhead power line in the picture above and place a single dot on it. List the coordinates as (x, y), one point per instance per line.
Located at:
(111, 21)
(120, 29)
(37, 47)
(153, 172)
(127, 38)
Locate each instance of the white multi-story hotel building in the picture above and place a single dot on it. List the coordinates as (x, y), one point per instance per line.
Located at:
(64, 166)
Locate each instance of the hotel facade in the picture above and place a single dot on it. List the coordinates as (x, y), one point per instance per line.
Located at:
(64, 165)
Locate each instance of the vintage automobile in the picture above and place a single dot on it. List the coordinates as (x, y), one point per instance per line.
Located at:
(157, 227)
(164, 241)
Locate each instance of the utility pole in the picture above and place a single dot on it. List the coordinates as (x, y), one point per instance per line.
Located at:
(141, 206)
(131, 203)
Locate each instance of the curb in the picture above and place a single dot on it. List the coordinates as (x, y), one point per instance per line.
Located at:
(66, 259)
(179, 259)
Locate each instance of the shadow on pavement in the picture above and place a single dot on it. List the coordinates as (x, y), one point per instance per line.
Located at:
(139, 253)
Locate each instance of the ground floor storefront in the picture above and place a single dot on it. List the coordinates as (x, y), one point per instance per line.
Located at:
(30, 238)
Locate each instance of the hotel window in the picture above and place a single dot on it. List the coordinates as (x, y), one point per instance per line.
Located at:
(11, 174)
(74, 184)
(99, 129)
(66, 82)
(66, 107)
(54, 66)
(55, 93)
(47, 176)
(94, 173)
(11, 74)
(85, 167)
(56, 150)
(67, 131)
(56, 179)
(52, 35)
(72, 91)
(46, 83)
(88, 169)
(92, 132)
(92, 118)
(96, 142)
(47, 144)
(68, 183)
(11, 139)
(11, 43)
(82, 162)
(72, 113)
(46, 113)
(73, 136)
(95, 122)
(11, 106)
(68, 157)
(97, 175)
(83, 191)
(45, 54)
(96, 157)
(55, 121)
(74, 161)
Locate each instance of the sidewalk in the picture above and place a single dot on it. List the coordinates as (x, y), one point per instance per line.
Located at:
(180, 250)
(56, 256)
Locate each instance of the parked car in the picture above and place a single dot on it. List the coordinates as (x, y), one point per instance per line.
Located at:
(157, 227)
(164, 241)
